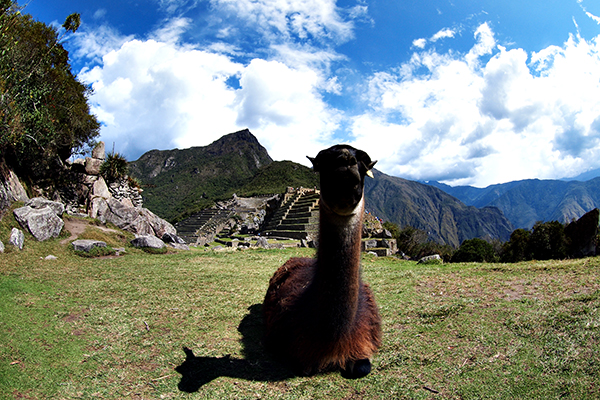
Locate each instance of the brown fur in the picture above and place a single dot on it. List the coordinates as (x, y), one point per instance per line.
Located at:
(319, 315)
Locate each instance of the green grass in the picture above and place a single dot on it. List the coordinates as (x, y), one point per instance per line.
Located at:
(117, 327)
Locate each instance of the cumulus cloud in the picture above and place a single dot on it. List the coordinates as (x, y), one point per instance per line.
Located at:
(149, 94)
(160, 93)
(490, 115)
(595, 18)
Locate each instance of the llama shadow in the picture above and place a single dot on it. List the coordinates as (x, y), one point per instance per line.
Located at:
(255, 366)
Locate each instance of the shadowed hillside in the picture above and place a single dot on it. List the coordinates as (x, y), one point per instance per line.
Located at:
(443, 217)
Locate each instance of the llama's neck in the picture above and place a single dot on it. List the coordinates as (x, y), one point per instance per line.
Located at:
(338, 267)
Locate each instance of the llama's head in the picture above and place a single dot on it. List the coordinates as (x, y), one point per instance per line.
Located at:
(342, 170)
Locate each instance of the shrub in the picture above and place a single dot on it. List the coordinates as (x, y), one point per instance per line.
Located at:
(96, 251)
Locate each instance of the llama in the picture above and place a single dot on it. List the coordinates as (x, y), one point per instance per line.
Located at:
(319, 315)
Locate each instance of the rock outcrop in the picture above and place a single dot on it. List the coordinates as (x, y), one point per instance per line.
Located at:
(43, 218)
(116, 202)
(11, 189)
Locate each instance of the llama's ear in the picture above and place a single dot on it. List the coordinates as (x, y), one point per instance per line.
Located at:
(368, 164)
(314, 163)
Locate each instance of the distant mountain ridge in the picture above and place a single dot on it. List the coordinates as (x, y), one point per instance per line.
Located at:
(445, 218)
(528, 201)
(179, 182)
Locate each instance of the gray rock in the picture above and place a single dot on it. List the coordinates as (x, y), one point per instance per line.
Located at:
(148, 241)
(1, 247)
(17, 238)
(40, 202)
(179, 246)
(92, 166)
(87, 244)
(369, 244)
(433, 259)
(99, 151)
(50, 257)
(262, 242)
(98, 209)
(11, 189)
(99, 189)
(158, 226)
(140, 221)
(43, 223)
(169, 237)
(386, 234)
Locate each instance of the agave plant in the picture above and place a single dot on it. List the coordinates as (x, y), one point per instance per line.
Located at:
(115, 167)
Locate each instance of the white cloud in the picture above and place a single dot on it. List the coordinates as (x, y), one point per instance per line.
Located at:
(95, 44)
(161, 93)
(283, 19)
(282, 106)
(171, 31)
(442, 34)
(420, 43)
(489, 115)
(150, 95)
(472, 121)
(595, 18)
(100, 13)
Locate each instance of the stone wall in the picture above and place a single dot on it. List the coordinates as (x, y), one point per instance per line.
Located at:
(89, 188)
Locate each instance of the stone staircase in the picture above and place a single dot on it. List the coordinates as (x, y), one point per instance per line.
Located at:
(296, 218)
(206, 222)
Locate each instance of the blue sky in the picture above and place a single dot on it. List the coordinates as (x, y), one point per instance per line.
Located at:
(461, 91)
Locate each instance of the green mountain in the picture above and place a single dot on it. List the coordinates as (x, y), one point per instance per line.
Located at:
(177, 183)
(445, 218)
(528, 201)
(277, 177)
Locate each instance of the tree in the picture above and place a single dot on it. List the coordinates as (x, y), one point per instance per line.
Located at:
(44, 114)
(475, 250)
(548, 241)
(516, 249)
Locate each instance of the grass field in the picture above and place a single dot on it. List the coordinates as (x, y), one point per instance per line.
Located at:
(188, 325)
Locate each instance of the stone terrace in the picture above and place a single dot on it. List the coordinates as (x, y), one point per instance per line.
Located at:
(297, 217)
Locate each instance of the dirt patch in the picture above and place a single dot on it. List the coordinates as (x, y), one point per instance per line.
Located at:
(77, 226)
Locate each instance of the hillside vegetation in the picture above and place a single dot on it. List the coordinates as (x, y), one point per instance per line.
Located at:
(279, 175)
(161, 326)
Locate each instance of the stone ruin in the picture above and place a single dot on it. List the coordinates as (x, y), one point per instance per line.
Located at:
(293, 215)
(86, 195)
